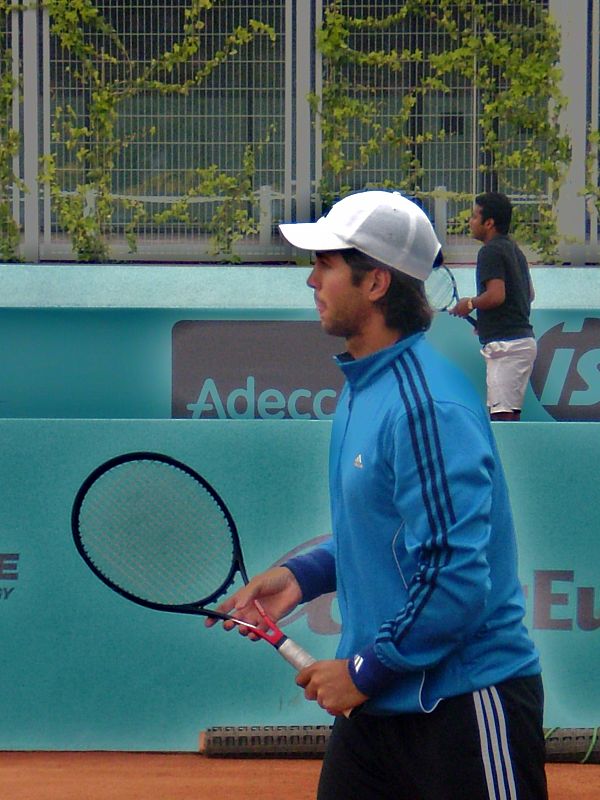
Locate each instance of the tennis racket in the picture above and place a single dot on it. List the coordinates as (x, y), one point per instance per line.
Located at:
(441, 291)
(158, 534)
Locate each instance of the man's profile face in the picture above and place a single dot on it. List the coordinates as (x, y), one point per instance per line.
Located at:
(342, 306)
(478, 227)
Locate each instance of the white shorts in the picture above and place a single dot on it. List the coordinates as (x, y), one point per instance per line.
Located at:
(508, 367)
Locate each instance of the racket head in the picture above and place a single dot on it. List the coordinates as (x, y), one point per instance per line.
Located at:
(156, 532)
(440, 288)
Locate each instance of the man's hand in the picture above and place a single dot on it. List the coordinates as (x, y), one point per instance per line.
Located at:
(461, 309)
(330, 684)
(278, 592)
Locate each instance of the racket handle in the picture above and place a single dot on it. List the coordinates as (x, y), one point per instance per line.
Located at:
(299, 658)
(295, 655)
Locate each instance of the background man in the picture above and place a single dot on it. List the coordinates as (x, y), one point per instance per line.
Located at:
(433, 656)
(503, 302)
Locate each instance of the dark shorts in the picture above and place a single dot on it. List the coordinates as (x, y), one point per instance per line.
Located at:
(481, 746)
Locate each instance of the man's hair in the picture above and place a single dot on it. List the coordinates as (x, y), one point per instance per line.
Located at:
(496, 206)
(404, 305)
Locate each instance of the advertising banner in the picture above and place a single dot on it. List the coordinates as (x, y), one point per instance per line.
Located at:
(285, 370)
(254, 370)
(84, 668)
(252, 348)
(241, 386)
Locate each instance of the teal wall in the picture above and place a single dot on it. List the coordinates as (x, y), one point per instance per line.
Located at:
(97, 341)
(83, 668)
(86, 374)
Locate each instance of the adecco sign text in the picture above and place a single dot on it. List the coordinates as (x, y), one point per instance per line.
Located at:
(254, 370)
(285, 370)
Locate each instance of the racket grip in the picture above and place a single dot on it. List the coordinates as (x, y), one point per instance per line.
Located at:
(299, 658)
(295, 655)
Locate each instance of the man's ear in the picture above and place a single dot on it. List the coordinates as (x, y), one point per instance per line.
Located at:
(379, 282)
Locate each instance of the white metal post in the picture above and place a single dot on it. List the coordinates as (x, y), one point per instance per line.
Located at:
(475, 155)
(31, 220)
(303, 115)
(440, 214)
(595, 123)
(572, 19)
(318, 131)
(16, 111)
(46, 122)
(288, 111)
(265, 226)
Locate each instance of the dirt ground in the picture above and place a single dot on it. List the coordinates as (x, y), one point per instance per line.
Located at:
(168, 776)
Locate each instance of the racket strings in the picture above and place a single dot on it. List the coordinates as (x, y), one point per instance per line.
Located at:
(157, 533)
(440, 289)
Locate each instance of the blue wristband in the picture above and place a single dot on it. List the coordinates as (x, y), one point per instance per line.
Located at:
(369, 674)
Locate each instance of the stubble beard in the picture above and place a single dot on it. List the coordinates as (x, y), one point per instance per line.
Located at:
(346, 327)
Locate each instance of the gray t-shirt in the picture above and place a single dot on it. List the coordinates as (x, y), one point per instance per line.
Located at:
(502, 258)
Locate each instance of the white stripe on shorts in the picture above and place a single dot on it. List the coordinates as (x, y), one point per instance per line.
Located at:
(494, 745)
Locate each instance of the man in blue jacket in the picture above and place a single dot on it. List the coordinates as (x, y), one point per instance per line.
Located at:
(434, 658)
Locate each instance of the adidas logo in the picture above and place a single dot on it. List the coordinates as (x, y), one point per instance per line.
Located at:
(358, 462)
(358, 662)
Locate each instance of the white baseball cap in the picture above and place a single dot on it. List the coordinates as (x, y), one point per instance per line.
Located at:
(385, 225)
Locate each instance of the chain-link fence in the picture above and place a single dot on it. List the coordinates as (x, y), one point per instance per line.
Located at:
(167, 112)
(10, 168)
(185, 131)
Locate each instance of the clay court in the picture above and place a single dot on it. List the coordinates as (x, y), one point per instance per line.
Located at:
(189, 776)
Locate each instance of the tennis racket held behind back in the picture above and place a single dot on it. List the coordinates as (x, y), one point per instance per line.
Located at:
(441, 291)
(154, 531)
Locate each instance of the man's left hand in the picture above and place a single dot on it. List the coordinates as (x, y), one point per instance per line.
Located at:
(330, 684)
(461, 309)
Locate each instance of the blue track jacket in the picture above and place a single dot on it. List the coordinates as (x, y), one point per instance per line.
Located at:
(423, 554)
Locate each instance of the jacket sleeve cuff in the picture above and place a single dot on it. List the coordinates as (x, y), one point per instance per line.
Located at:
(315, 573)
(369, 674)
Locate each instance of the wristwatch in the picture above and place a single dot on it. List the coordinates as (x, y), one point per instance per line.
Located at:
(470, 303)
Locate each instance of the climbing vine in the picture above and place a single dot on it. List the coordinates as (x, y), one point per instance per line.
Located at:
(591, 190)
(233, 220)
(90, 141)
(10, 142)
(507, 65)
(399, 91)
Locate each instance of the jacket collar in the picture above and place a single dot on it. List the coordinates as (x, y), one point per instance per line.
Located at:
(361, 371)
